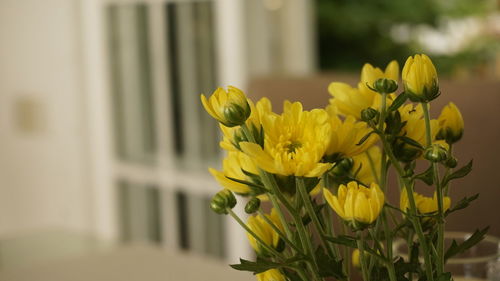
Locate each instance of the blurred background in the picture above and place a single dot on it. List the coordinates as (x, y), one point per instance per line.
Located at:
(104, 146)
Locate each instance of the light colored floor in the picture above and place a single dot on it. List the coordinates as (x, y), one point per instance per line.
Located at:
(31, 258)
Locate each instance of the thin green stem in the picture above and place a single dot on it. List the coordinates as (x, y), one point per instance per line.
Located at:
(270, 184)
(439, 192)
(362, 258)
(310, 209)
(280, 233)
(413, 209)
(262, 243)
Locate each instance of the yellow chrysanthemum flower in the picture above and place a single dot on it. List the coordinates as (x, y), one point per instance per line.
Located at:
(270, 275)
(451, 124)
(294, 143)
(420, 78)
(367, 165)
(264, 231)
(232, 167)
(355, 203)
(346, 135)
(425, 205)
(351, 101)
(232, 136)
(229, 107)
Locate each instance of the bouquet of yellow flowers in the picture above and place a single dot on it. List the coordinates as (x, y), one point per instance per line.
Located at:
(311, 165)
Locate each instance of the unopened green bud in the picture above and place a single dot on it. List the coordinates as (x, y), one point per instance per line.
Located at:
(436, 153)
(369, 114)
(343, 167)
(236, 115)
(252, 206)
(451, 162)
(223, 200)
(384, 85)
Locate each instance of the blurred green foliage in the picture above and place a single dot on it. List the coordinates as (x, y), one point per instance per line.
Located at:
(352, 32)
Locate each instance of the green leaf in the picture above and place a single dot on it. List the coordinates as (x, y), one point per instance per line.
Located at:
(255, 267)
(460, 173)
(329, 267)
(446, 276)
(456, 248)
(410, 141)
(345, 240)
(262, 265)
(427, 176)
(398, 102)
(462, 204)
(363, 139)
(251, 184)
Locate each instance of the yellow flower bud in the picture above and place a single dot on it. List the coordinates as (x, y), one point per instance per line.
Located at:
(264, 231)
(355, 258)
(356, 204)
(270, 275)
(420, 78)
(425, 205)
(229, 107)
(451, 124)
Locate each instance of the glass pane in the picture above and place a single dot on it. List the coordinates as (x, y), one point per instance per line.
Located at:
(139, 212)
(200, 229)
(131, 82)
(191, 56)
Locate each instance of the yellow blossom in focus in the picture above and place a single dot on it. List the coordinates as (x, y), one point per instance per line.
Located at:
(229, 107)
(355, 203)
(264, 231)
(451, 124)
(232, 167)
(232, 136)
(425, 205)
(294, 143)
(270, 275)
(367, 165)
(420, 78)
(351, 101)
(346, 135)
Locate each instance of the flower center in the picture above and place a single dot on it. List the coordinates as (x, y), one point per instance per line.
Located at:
(292, 146)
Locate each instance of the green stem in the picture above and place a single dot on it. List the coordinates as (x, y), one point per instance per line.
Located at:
(362, 259)
(262, 243)
(448, 170)
(271, 185)
(280, 233)
(439, 192)
(413, 209)
(310, 209)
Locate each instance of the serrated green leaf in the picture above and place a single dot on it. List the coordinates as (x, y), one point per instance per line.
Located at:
(398, 102)
(255, 267)
(427, 176)
(329, 267)
(456, 248)
(462, 204)
(460, 173)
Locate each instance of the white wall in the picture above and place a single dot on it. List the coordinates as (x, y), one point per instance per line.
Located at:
(42, 163)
